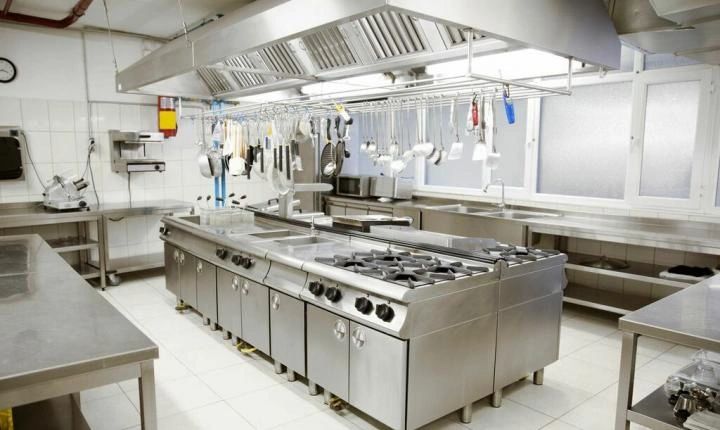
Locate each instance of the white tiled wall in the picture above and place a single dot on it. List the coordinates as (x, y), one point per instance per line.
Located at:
(48, 100)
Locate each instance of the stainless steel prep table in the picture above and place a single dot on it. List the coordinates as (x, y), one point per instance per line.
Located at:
(117, 211)
(58, 336)
(689, 317)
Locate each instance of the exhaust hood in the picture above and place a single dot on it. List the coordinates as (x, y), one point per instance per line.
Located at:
(688, 28)
(271, 45)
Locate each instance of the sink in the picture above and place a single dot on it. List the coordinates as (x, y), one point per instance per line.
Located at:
(520, 215)
(462, 209)
(275, 234)
(302, 241)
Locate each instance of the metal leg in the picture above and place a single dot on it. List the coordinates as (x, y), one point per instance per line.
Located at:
(214, 326)
(312, 388)
(206, 321)
(466, 414)
(146, 383)
(539, 376)
(496, 400)
(226, 335)
(236, 341)
(291, 376)
(102, 250)
(278, 367)
(627, 379)
(327, 397)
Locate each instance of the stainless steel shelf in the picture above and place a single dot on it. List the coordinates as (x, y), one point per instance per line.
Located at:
(654, 412)
(608, 301)
(643, 272)
(134, 263)
(86, 271)
(72, 244)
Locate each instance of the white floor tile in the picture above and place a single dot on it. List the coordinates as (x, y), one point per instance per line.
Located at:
(605, 356)
(100, 393)
(554, 398)
(208, 358)
(656, 371)
(240, 379)
(273, 406)
(328, 420)
(580, 374)
(217, 416)
(678, 354)
(559, 425)
(179, 395)
(511, 416)
(111, 413)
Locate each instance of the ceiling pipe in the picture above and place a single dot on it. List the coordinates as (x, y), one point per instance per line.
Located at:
(77, 11)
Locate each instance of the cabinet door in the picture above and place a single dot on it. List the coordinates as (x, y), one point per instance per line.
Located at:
(172, 269)
(206, 289)
(335, 210)
(328, 350)
(379, 211)
(188, 281)
(255, 315)
(378, 375)
(287, 331)
(229, 310)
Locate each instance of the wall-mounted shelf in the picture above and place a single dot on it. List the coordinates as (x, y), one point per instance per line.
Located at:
(643, 272)
(604, 300)
(72, 244)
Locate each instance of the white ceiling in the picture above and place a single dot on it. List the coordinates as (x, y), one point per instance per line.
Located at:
(159, 18)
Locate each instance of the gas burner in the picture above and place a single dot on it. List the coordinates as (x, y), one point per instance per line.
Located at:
(410, 278)
(519, 254)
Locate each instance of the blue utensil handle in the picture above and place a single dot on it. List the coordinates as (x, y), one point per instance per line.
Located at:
(509, 109)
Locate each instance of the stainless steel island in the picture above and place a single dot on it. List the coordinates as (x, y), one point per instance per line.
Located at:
(401, 324)
(58, 336)
(690, 317)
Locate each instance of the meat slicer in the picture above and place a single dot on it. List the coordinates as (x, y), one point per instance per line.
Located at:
(65, 193)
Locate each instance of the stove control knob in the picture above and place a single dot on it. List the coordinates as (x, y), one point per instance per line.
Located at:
(247, 262)
(237, 259)
(385, 312)
(221, 253)
(333, 294)
(316, 288)
(363, 305)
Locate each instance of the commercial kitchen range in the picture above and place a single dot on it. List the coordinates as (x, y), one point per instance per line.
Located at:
(406, 329)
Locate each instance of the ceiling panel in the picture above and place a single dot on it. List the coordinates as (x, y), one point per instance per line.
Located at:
(158, 18)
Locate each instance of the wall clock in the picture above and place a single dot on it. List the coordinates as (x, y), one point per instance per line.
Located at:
(8, 72)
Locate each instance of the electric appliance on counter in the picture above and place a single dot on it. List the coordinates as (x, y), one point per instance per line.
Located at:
(388, 187)
(365, 222)
(353, 186)
(129, 152)
(11, 163)
(65, 193)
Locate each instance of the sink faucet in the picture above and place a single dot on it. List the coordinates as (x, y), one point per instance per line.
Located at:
(501, 205)
(313, 231)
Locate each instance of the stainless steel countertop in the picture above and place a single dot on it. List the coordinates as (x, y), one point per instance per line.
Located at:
(689, 317)
(52, 323)
(34, 213)
(684, 235)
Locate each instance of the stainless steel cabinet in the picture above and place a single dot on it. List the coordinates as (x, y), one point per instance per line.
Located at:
(188, 281)
(378, 374)
(206, 289)
(287, 331)
(229, 302)
(356, 210)
(335, 209)
(328, 353)
(172, 269)
(255, 315)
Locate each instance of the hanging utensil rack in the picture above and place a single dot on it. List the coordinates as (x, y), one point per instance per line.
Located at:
(428, 93)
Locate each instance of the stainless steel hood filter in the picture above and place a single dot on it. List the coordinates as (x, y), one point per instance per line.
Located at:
(292, 42)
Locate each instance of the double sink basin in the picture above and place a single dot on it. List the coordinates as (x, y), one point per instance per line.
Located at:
(288, 238)
(512, 214)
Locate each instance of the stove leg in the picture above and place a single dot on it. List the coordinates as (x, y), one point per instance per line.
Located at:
(206, 321)
(496, 401)
(312, 388)
(291, 376)
(235, 341)
(278, 367)
(226, 335)
(327, 397)
(466, 414)
(539, 376)
(214, 327)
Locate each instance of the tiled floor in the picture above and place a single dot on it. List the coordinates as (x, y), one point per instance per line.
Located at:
(203, 382)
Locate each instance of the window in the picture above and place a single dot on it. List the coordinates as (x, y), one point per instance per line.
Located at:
(668, 148)
(510, 142)
(584, 141)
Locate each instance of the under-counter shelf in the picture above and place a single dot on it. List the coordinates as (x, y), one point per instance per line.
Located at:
(643, 272)
(86, 271)
(604, 300)
(654, 412)
(133, 264)
(72, 244)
